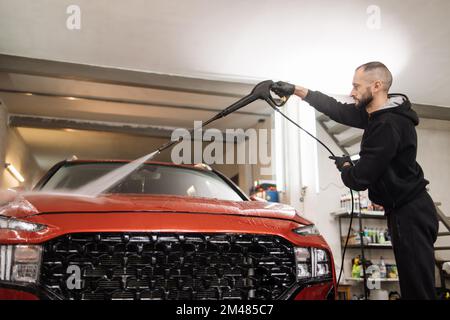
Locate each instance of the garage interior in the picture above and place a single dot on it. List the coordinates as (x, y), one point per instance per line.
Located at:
(118, 85)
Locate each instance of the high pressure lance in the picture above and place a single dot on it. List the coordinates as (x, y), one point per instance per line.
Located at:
(262, 91)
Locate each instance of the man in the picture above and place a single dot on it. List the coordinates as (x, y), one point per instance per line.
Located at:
(387, 167)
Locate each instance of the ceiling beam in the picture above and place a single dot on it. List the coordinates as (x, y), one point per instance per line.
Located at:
(82, 72)
(432, 112)
(16, 120)
(24, 121)
(126, 101)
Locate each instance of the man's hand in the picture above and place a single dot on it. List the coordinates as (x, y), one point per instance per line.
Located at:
(283, 89)
(342, 162)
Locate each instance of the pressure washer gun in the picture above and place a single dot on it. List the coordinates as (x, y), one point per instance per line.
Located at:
(262, 91)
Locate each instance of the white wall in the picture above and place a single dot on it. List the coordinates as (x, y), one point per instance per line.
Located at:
(18, 154)
(434, 157)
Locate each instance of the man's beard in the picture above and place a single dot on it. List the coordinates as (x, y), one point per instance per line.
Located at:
(365, 100)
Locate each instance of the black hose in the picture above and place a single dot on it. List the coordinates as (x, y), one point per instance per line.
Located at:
(351, 193)
(298, 126)
(346, 241)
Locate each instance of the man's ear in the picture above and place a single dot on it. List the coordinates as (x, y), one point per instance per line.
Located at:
(377, 86)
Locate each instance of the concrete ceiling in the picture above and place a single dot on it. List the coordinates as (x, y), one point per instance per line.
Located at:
(86, 100)
(49, 146)
(316, 43)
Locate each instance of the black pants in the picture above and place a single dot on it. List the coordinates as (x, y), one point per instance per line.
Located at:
(413, 228)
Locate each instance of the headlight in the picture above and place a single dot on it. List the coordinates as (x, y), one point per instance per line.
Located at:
(309, 230)
(321, 255)
(322, 270)
(311, 263)
(322, 263)
(20, 263)
(19, 225)
(303, 262)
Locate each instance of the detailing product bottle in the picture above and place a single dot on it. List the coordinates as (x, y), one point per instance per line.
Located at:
(387, 235)
(382, 268)
(381, 239)
(356, 267)
(356, 204)
(366, 238)
(364, 202)
(349, 202)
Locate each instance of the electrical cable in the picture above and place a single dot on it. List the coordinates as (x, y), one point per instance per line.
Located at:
(351, 192)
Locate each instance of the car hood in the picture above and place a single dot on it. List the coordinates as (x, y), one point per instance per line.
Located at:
(41, 203)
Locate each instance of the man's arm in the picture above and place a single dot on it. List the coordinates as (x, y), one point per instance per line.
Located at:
(344, 113)
(376, 153)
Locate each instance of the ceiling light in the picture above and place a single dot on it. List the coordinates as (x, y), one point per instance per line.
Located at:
(71, 98)
(16, 174)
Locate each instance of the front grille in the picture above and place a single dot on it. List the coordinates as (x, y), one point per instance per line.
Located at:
(161, 266)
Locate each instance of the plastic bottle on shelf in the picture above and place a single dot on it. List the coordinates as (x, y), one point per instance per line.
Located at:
(355, 271)
(382, 268)
(381, 238)
(356, 204)
(349, 202)
(363, 202)
(387, 235)
(366, 238)
(361, 270)
(372, 236)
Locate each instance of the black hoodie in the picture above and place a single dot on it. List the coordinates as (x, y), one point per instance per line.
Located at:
(387, 164)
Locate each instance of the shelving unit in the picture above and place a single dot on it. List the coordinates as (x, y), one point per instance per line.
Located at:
(370, 246)
(365, 215)
(372, 279)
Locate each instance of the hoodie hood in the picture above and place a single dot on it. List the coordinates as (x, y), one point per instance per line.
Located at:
(400, 104)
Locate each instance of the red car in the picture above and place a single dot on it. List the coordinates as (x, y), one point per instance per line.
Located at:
(164, 232)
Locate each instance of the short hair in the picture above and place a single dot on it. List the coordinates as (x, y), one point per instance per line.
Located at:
(380, 70)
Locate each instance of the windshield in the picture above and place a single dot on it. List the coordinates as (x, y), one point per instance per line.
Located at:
(149, 179)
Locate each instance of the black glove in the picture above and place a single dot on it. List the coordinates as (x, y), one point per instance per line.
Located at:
(283, 89)
(340, 161)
